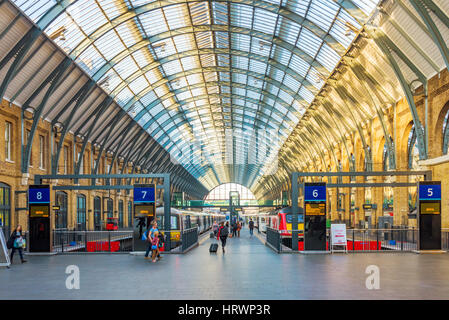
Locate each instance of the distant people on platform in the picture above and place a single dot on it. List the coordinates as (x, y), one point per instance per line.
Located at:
(151, 234)
(234, 229)
(215, 227)
(141, 225)
(223, 233)
(16, 242)
(239, 227)
(251, 227)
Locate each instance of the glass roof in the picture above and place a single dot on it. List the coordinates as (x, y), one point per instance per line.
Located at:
(214, 82)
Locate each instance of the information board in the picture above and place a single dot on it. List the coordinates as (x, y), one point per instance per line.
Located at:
(429, 215)
(39, 194)
(315, 216)
(338, 234)
(144, 193)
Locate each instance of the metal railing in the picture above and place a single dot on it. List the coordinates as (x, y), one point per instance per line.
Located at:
(382, 240)
(189, 238)
(274, 239)
(92, 241)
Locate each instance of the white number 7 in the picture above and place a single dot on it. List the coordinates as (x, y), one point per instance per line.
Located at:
(144, 194)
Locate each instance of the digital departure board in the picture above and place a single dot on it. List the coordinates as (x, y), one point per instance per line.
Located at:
(144, 210)
(430, 208)
(316, 209)
(37, 211)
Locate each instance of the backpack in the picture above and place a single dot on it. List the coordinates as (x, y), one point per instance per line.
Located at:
(224, 232)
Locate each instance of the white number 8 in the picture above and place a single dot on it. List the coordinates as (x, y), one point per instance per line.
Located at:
(39, 196)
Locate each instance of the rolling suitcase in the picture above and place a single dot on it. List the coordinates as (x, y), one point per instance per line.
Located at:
(212, 235)
(213, 247)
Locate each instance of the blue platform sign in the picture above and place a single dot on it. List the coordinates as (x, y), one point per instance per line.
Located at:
(39, 194)
(429, 191)
(144, 194)
(314, 192)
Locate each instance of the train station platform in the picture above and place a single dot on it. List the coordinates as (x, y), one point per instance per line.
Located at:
(248, 270)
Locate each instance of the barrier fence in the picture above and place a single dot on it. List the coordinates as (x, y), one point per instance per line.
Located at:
(363, 240)
(274, 239)
(92, 241)
(189, 238)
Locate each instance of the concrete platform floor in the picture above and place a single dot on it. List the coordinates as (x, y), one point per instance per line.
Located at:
(248, 270)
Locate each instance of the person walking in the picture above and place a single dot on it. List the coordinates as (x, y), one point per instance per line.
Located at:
(251, 227)
(223, 233)
(155, 246)
(150, 235)
(16, 242)
(215, 227)
(234, 229)
(239, 227)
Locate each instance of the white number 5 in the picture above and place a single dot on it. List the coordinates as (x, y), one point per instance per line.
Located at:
(430, 192)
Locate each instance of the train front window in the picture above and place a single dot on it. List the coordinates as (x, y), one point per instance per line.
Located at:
(289, 218)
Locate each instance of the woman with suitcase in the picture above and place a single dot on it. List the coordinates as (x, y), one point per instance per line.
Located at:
(223, 233)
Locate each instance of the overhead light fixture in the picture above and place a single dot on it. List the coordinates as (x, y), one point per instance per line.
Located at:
(160, 46)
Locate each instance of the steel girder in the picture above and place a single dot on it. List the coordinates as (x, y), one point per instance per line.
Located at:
(55, 80)
(386, 45)
(19, 52)
(422, 7)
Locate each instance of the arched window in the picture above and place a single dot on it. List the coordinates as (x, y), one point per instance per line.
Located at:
(81, 212)
(5, 208)
(61, 216)
(446, 134)
(97, 213)
(109, 208)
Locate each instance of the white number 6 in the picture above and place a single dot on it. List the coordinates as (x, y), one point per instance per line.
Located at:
(315, 193)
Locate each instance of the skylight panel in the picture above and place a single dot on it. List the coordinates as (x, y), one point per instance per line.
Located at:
(264, 21)
(299, 65)
(148, 98)
(112, 8)
(287, 30)
(138, 85)
(176, 15)
(73, 34)
(241, 15)
(240, 42)
(90, 18)
(199, 12)
(367, 6)
(138, 3)
(298, 7)
(142, 57)
(184, 42)
(257, 66)
(204, 39)
(129, 33)
(126, 67)
(90, 60)
(220, 12)
(190, 63)
(309, 42)
(281, 55)
(124, 96)
(306, 94)
(328, 57)
(109, 45)
(153, 22)
(285, 96)
(292, 83)
(153, 76)
(164, 48)
(35, 9)
(322, 13)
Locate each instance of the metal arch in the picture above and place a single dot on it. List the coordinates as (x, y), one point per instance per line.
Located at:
(78, 99)
(367, 80)
(44, 22)
(410, 148)
(18, 53)
(342, 92)
(436, 35)
(446, 137)
(385, 48)
(97, 113)
(55, 81)
(114, 122)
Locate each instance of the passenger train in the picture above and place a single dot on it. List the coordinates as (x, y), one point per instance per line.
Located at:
(182, 220)
(281, 220)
